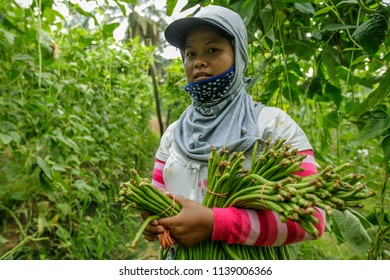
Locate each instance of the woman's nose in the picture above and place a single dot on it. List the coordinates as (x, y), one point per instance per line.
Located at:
(200, 63)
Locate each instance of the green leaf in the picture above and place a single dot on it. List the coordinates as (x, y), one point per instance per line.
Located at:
(346, 2)
(298, 1)
(272, 87)
(3, 240)
(46, 4)
(304, 50)
(315, 86)
(190, 4)
(171, 4)
(108, 29)
(253, 81)
(291, 95)
(84, 13)
(247, 8)
(6, 126)
(62, 233)
(42, 164)
(365, 223)
(294, 67)
(336, 231)
(5, 138)
(323, 11)
(334, 94)
(7, 23)
(372, 33)
(82, 185)
(8, 36)
(122, 7)
(15, 136)
(331, 58)
(376, 96)
(305, 8)
(316, 34)
(332, 120)
(20, 56)
(267, 19)
(385, 144)
(67, 141)
(377, 124)
(360, 59)
(352, 231)
(64, 208)
(336, 27)
(51, 14)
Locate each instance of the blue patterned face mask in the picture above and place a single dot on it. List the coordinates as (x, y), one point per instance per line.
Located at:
(213, 88)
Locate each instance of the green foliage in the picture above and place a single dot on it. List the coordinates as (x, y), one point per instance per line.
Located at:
(348, 228)
(71, 127)
(372, 33)
(172, 91)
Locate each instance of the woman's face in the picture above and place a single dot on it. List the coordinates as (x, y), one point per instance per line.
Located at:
(206, 54)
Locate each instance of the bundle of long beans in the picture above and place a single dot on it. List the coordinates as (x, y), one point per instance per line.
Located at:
(138, 193)
(269, 183)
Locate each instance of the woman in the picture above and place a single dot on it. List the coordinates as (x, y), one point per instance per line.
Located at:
(213, 46)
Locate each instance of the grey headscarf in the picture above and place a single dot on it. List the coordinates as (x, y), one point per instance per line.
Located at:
(233, 121)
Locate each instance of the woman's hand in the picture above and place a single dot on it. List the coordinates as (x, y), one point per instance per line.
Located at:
(193, 224)
(153, 229)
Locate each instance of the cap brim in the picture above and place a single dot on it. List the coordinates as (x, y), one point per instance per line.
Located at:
(176, 32)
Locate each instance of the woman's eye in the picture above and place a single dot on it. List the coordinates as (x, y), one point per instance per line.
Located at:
(211, 50)
(189, 54)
